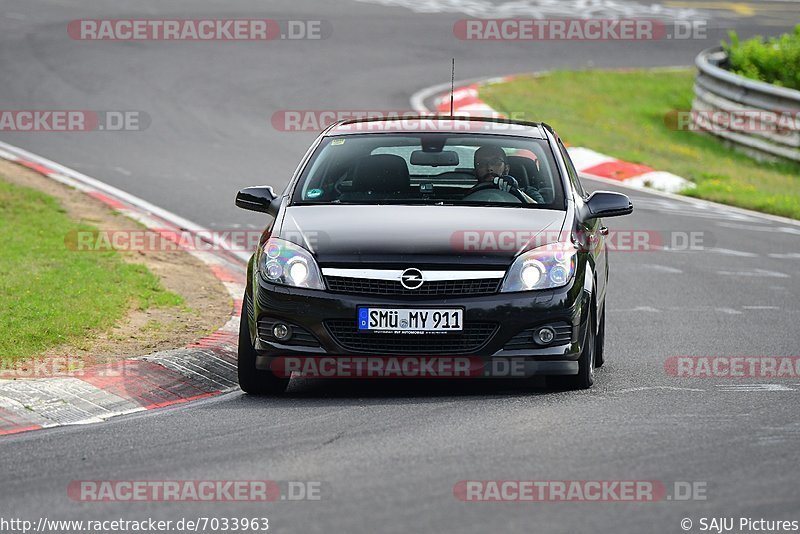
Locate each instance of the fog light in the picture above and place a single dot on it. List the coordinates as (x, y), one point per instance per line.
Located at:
(545, 335)
(281, 331)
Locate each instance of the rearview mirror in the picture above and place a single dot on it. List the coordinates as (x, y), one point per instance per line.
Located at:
(607, 204)
(259, 198)
(445, 158)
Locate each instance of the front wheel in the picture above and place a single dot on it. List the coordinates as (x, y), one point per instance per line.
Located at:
(252, 380)
(586, 362)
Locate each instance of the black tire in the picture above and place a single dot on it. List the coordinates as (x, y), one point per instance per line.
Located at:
(599, 355)
(586, 362)
(252, 380)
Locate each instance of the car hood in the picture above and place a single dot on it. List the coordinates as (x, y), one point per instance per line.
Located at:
(387, 234)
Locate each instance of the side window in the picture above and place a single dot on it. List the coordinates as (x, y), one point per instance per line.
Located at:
(573, 174)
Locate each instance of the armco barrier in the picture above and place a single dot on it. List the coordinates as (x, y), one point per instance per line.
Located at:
(719, 90)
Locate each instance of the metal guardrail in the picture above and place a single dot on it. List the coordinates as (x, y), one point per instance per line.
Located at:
(758, 104)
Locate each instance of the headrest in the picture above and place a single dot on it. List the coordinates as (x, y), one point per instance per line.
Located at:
(533, 174)
(518, 170)
(382, 173)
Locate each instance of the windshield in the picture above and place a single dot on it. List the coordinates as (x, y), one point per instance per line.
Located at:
(436, 169)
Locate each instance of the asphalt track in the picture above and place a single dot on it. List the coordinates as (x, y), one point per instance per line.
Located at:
(389, 453)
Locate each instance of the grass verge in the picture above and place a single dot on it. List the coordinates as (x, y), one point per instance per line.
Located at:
(50, 295)
(625, 114)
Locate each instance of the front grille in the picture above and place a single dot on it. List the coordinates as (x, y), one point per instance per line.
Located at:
(365, 286)
(524, 340)
(300, 336)
(474, 336)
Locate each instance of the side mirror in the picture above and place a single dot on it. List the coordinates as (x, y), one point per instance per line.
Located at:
(607, 204)
(259, 198)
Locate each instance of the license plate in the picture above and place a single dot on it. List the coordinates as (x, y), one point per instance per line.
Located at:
(405, 320)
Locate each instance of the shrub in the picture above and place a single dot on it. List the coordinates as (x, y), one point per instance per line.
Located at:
(775, 60)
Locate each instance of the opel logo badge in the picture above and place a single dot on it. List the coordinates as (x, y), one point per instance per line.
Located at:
(411, 278)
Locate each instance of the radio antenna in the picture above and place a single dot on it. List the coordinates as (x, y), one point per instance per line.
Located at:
(452, 84)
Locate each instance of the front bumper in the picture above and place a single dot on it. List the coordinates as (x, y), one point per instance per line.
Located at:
(512, 314)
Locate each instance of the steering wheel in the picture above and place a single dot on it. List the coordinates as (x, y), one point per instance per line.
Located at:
(489, 192)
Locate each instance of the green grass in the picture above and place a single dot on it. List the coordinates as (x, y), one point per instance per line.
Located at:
(623, 114)
(50, 295)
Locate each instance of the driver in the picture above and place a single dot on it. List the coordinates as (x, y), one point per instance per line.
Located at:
(491, 166)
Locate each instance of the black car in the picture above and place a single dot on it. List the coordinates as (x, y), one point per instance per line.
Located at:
(448, 237)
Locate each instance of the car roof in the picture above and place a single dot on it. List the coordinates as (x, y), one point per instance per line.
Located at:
(403, 123)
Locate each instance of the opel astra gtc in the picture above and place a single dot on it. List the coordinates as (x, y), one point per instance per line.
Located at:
(453, 237)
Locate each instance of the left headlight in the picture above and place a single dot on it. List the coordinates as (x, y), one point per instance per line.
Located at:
(285, 263)
(546, 267)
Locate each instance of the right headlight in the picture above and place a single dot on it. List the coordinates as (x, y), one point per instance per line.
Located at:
(546, 267)
(285, 263)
